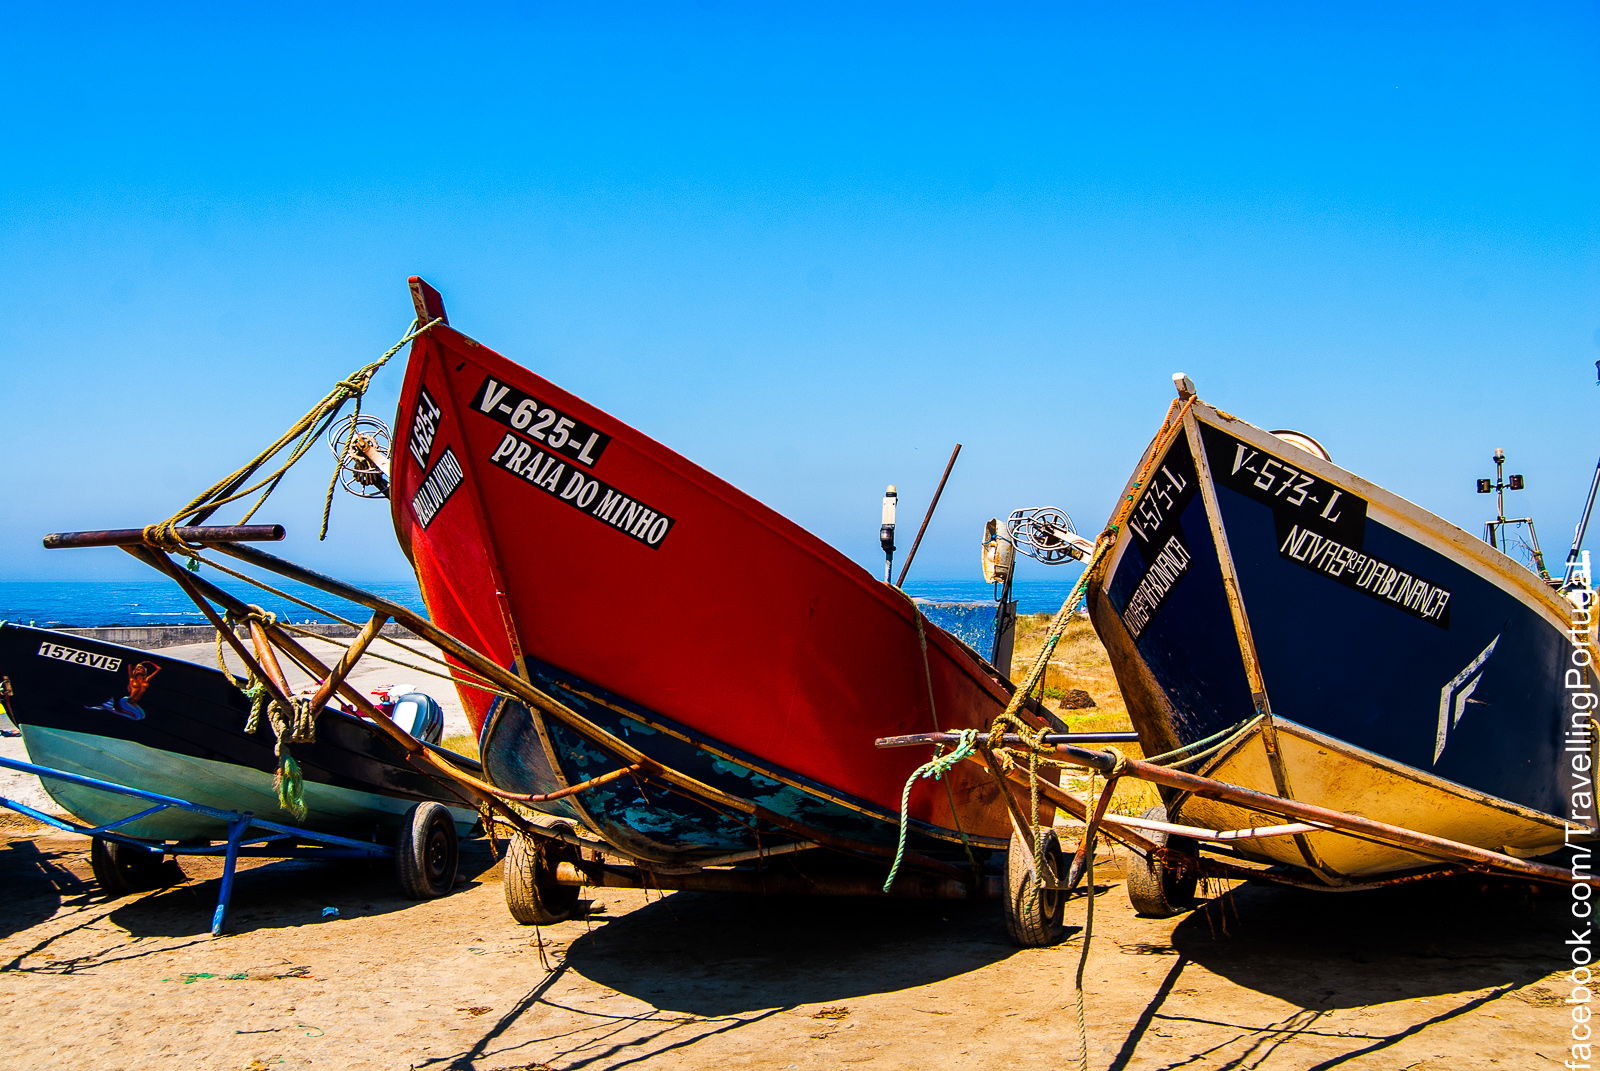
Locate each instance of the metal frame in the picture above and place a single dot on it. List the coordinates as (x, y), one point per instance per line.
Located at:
(237, 845)
(500, 806)
(1450, 857)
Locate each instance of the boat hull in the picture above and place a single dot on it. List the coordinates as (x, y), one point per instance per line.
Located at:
(182, 734)
(1252, 580)
(680, 616)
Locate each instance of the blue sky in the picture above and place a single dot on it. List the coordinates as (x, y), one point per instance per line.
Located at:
(808, 246)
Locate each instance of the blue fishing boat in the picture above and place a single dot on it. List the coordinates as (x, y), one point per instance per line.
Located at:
(1305, 633)
(170, 727)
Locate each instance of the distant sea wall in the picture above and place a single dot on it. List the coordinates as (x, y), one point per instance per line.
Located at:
(155, 637)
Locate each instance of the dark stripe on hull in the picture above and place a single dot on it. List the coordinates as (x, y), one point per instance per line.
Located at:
(648, 821)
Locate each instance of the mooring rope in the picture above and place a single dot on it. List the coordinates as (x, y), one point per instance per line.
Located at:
(934, 768)
(297, 439)
(466, 676)
(290, 717)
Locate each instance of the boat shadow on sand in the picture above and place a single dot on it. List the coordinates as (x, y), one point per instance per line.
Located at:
(36, 883)
(712, 955)
(276, 894)
(709, 963)
(1450, 946)
(43, 877)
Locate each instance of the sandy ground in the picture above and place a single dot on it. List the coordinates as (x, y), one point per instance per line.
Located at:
(1424, 977)
(1439, 978)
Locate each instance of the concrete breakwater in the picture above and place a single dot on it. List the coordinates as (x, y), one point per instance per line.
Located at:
(155, 637)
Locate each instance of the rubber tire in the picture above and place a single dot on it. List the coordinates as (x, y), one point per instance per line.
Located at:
(1034, 915)
(121, 868)
(427, 855)
(533, 896)
(1154, 889)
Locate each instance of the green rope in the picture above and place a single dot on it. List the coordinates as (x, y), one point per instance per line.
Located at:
(290, 785)
(934, 768)
(1204, 749)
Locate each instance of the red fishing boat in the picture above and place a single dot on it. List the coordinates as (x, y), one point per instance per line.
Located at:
(679, 626)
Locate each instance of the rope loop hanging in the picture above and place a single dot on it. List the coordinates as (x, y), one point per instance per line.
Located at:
(296, 440)
(934, 769)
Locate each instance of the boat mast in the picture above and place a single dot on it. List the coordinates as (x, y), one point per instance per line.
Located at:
(1494, 531)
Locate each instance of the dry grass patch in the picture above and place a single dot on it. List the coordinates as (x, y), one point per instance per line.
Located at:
(1080, 662)
(462, 744)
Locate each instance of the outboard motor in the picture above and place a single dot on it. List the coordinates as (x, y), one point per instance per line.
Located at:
(420, 715)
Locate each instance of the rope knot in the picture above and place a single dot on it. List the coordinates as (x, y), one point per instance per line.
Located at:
(1119, 763)
(252, 613)
(164, 536)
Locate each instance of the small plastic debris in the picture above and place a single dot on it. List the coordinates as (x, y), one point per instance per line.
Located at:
(330, 912)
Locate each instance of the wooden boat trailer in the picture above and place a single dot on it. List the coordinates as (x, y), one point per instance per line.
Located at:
(124, 863)
(1167, 856)
(548, 859)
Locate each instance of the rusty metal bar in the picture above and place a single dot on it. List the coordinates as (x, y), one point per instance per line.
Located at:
(926, 517)
(1079, 809)
(527, 693)
(1014, 740)
(347, 660)
(1337, 821)
(1197, 833)
(193, 587)
(267, 657)
(205, 534)
(615, 876)
(573, 790)
(200, 590)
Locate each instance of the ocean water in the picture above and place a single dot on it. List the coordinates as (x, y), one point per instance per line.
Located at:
(95, 603)
(957, 606)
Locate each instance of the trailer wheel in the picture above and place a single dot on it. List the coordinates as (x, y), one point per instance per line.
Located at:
(426, 855)
(123, 868)
(533, 896)
(1162, 887)
(1033, 914)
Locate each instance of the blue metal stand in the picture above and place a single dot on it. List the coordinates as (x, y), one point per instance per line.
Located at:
(272, 840)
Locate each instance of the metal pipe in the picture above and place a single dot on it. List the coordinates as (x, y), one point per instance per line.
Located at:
(926, 517)
(1196, 833)
(548, 705)
(347, 661)
(1337, 821)
(204, 534)
(1014, 739)
(192, 586)
(615, 876)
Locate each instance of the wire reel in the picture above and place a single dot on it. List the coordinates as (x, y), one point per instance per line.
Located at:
(1046, 534)
(360, 444)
